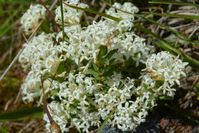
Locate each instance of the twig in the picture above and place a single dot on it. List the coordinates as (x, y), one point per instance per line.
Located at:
(26, 126)
(54, 126)
(11, 64)
(7, 104)
(18, 96)
(18, 54)
(53, 4)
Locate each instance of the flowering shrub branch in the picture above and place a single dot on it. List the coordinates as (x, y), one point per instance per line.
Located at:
(102, 72)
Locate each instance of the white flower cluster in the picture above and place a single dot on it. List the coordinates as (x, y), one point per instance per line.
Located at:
(138, 109)
(84, 75)
(75, 102)
(165, 69)
(40, 57)
(30, 20)
(125, 12)
(131, 45)
(80, 102)
(71, 15)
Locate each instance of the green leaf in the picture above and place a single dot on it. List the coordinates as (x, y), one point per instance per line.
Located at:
(65, 66)
(173, 3)
(159, 83)
(103, 51)
(167, 98)
(93, 73)
(185, 16)
(62, 17)
(16, 1)
(95, 67)
(62, 67)
(34, 112)
(111, 53)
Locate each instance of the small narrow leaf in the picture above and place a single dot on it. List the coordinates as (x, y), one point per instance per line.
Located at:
(21, 114)
(173, 3)
(103, 51)
(185, 16)
(93, 73)
(111, 53)
(62, 17)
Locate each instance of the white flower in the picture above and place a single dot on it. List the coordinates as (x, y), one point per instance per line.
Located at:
(115, 95)
(130, 114)
(73, 94)
(131, 45)
(36, 49)
(41, 58)
(52, 64)
(31, 87)
(70, 32)
(30, 20)
(125, 12)
(57, 112)
(85, 43)
(71, 15)
(47, 83)
(166, 68)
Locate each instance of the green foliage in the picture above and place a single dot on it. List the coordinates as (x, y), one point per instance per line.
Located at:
(170, 2)
(4, 130)
(102, 52)
(62, 17)
(7, 25)
(104, 65)
(184, 16)
(16, 1)
(21, 114)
